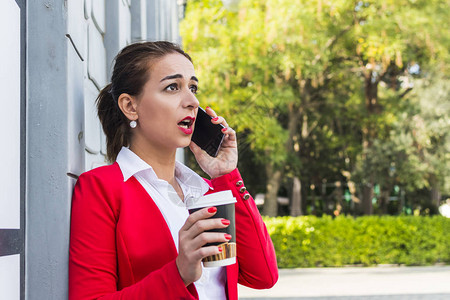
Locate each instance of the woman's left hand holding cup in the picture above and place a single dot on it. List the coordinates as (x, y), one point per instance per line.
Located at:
(227, 158)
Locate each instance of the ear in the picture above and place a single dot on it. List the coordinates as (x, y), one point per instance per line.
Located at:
(128, 105)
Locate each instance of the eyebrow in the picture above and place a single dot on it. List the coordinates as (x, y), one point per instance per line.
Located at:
(177, 76)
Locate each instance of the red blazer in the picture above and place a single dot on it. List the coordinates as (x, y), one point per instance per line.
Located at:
(121, 247)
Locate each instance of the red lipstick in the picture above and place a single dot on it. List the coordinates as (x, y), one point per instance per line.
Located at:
(185, 125)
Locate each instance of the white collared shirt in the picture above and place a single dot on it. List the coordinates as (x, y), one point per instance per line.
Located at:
(211, 284)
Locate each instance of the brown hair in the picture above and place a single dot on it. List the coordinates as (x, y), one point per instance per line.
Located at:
(130, 73)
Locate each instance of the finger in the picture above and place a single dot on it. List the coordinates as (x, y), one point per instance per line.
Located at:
(208, 251)
(210, 237)
(210, 112)
(201, 214)
(215, 118)
(230, 133)
(219, 120)
(195, 149)
(202, 226)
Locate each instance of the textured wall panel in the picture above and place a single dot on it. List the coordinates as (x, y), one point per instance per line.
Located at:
(124, 25)
(76, 26)
(91, 121)
(96, 57)
(87, 8)
(98, 14)
(93, 161)
(75, 94)
(10, 115)
(103, 142)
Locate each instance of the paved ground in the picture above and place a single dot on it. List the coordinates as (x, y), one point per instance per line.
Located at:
(378, 283)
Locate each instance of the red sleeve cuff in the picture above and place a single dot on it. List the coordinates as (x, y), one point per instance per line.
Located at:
(226, 181)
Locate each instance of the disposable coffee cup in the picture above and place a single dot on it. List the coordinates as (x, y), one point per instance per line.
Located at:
(224, 202)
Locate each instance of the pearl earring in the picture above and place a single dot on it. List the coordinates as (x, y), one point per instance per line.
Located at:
(133, 124)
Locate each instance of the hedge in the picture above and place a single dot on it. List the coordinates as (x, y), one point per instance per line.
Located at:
(310, 241)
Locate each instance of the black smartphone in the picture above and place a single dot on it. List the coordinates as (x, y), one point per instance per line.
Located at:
(207, 135)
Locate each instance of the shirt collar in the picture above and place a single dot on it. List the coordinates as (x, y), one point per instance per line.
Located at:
(131, 164)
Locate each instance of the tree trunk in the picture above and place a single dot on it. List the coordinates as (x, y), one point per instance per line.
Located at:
(296, 205)
(373, 107)
(384, 199)
(367, 196)
(435, 195)
(270, 207)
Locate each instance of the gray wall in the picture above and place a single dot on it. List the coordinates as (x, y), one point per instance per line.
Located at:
(70, 46)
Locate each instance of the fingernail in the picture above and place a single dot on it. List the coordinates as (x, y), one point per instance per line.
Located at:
(220, 249)
(224, 129)
(228, 236)
(225, 222)
(208, 107)
(212, 210)
(215, 119)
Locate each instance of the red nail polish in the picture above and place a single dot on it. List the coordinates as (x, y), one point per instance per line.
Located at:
(220, 249)
(228, 236)
(215, 119)
(212, 210)
(225, 222)
(208, 107)
(224, 129)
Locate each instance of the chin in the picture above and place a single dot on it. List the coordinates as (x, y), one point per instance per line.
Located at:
(185, 143)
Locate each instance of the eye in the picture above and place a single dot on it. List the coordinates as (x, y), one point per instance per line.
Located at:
(172, 87)
(193, 89)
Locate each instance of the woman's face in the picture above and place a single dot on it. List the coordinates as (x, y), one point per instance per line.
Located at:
(167, 106)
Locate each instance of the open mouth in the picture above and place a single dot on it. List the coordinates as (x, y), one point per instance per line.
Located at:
(185, 125)
(186, 122)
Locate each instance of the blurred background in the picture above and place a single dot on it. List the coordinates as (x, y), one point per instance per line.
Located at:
(341, 109)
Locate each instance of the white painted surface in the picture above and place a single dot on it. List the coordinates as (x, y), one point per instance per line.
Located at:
(143, 16)
(98, 14)
(10, 277)
(10, 115)
(124, 25)
(96, 57)
(103, 141)
(91, 121)
(77, 26)
(93, 161)
(87, 8)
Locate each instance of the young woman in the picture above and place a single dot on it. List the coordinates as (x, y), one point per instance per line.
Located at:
(131, 235)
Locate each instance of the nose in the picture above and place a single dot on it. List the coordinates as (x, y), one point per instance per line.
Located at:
(190, 100)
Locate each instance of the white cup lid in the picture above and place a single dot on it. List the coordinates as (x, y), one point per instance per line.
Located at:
(219, 198)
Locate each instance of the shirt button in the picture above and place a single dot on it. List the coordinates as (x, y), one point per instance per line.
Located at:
(246, 196)
(242, 189)
(239, 183)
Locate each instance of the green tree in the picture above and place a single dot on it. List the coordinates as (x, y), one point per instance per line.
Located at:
(314, 88)
(388, 39)
(271, 61)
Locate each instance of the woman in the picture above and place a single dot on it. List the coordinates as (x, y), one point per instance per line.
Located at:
(131, 235)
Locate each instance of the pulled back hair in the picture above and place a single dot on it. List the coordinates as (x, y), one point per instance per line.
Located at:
(131, 72)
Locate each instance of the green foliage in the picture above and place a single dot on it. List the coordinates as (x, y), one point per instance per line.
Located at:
(291, 77)
(312, 242)
(417, 148)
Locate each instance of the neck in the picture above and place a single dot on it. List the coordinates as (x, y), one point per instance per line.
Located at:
(161, 160)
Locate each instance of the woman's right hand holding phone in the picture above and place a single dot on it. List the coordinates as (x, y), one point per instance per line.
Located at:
(193, 236)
